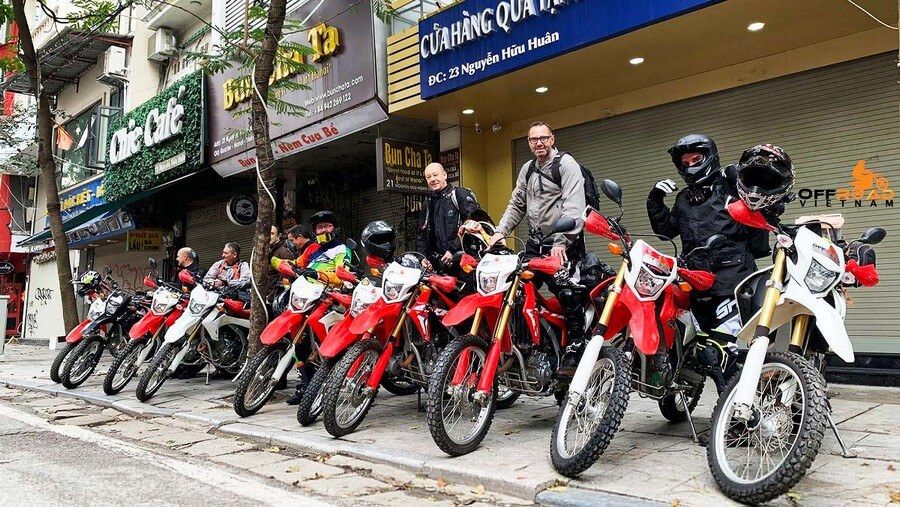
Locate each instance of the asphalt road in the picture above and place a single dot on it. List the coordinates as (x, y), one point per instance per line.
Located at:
(45, 464)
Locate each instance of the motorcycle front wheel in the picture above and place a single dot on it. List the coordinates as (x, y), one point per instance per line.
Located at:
(584, 429)
(256, 385)
(125, 366)
(347, 398)
(758, 460)
(458, 422)
(156, 374)
(58, 361)
(310, 406)
(81, 362)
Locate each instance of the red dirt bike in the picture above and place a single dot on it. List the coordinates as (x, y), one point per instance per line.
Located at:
(96, 288)
(313, 308)
(527, 333)
(146, 335)
(413, 300)
(339, 339)
(657, 355)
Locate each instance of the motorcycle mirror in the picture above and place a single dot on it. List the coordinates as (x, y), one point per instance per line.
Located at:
(152, 262)
(873, 236)
(564, 224)
(612, 190)
(714, 241)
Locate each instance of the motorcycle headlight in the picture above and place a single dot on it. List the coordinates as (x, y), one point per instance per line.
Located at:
(487, 282)
(818, 277)
(298, 303)
(358, 306)
(392, 290)
(113, 304)
(196, 307)
(648, 285)
(95, 311)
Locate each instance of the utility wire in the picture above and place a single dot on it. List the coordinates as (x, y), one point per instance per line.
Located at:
(872, 15)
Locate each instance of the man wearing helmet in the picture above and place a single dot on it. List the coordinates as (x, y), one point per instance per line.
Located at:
(444, 210)
(380, 240)
(699, 212)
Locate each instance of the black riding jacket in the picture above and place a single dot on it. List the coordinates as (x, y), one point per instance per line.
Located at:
(698, 214)
(440, 220)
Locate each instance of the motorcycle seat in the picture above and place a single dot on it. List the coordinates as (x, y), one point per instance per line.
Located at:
(236, 307)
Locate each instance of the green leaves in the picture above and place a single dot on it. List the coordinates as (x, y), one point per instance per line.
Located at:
(137, 173)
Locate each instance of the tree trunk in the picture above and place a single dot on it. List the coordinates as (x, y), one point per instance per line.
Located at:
(265, 65)
(44, 138)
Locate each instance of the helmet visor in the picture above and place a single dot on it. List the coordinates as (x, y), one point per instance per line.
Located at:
(691, 159)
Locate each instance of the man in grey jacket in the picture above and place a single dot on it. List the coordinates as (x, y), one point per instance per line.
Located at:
(549, 187)
(231, 271)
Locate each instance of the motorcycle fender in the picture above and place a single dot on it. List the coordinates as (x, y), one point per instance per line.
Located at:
(465, 309)
(287, 359)
(148, 325)
(642, 323)
(315, 320)
(180, 356)
(145, 353)
(175, 315)
(374, 314)
(828, 320)
(288, 323)
(100, 324)
(338, 339)
(77, 332)
(182, 327)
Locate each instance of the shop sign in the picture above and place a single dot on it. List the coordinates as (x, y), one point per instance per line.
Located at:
(157, 127)
(450, 160)
(866, 189)
(77, 199)
(401, 165)
(6, 267)
(103, 227)
(242, 210)
(343, 79)
(144, 240)
(474, 40)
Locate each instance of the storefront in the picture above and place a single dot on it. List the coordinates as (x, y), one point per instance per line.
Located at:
(325, 158)
(620, 81)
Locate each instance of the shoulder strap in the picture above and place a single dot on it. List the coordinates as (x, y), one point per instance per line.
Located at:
(554, 168)
(455, 198)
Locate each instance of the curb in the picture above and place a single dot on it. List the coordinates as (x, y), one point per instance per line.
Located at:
(578, 497)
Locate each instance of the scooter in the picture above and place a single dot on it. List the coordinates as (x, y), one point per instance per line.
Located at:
(215, 327)
(769, 422)
(312, 310)
(145, 335)
(94, 288)
(106, 330)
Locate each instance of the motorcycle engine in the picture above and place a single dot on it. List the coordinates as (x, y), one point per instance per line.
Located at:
(539, 369)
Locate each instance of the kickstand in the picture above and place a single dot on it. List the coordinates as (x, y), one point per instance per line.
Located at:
(419, 400)
(690, 419)
(844, 452)
(207, 373)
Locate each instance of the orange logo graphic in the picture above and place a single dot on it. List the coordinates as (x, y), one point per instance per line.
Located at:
(866, 185)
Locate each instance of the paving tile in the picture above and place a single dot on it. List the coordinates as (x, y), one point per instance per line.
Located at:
(297, 469)
(217, 447)
(89, 420)
(344, 486)
(250, 459)
(176, 437)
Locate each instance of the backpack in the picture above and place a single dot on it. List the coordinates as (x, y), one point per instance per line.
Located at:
(591, 195)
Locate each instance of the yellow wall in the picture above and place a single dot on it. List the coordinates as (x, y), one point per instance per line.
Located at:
(487, 158)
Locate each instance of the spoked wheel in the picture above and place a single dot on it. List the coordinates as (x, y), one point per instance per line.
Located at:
(506, 397)
(125, 366)
(81, 362)
(400, 385)
(310, 406)
(457, 418)
(155, 376)
(672, 408)
(347, 397)
(58, 361)
(757, 460)
(116, 339)
(585, 426)
(256, 385)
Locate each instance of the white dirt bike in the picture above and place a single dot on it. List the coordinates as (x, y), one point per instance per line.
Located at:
(769, 422)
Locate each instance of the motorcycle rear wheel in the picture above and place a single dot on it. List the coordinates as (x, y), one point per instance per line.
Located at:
(448, 406)
(593, 422)
(58, 361)
(156, 374)
(256, 385)
(672, 409)
(791, 416)
(310, 406)
(81, 362)
(346, 400)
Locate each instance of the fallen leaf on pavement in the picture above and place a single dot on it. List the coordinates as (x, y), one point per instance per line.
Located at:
(895, 496)
(558, 489)
(441, 483)
(891, 467)
(794, 497)
(274, 448)
(675, 503)
(479, 489)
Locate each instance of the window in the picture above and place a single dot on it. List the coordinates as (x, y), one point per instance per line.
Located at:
(82, 158)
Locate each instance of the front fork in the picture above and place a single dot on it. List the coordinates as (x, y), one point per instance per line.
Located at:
(592, 351)
(388, 351)
(489, 373)
(756, 355)
(287, 359)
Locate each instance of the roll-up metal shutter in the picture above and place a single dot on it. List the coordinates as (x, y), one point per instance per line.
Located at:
(234, 14)
(128, 268)
(208, 229)
(827, 119)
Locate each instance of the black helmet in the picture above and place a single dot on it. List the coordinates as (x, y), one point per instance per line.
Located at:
(475, 244)
(700, 171)
(765, 175)
(323, 217)
(379, 239)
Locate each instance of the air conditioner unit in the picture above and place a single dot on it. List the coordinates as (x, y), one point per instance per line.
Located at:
(115, 70)
(161, 45)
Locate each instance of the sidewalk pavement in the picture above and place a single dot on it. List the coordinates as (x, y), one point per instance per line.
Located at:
(649, 462)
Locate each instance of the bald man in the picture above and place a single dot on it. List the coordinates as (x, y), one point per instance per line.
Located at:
(187, 259)
(444, 210)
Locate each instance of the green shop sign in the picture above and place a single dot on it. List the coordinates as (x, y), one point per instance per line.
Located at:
(159, 141)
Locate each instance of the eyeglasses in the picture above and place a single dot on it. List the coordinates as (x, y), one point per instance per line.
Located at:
(542, 139)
